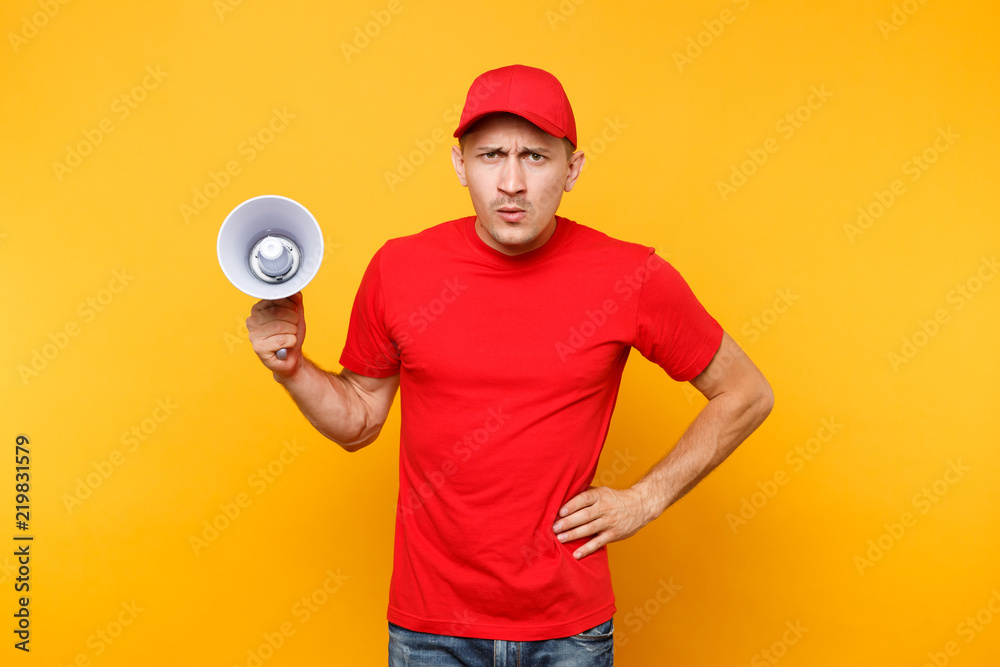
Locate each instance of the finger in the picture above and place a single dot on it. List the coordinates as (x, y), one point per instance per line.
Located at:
(590, 547)
(284, 342)
(580, 532)
(577, 518)
(286, 305)
(578, 502)
(291, 302)
(274, 314)
(267, 344)
(267, 304)
(274, 327)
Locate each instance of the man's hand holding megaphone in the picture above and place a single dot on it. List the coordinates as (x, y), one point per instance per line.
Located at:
(270, 247)
(277, 326)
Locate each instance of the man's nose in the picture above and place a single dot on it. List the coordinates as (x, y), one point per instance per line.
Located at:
(512, 177)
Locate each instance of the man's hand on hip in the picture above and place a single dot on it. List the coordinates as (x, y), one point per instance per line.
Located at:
(607, 514)
(739, 398)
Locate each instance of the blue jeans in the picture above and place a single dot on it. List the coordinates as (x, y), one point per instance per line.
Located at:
(591, 648)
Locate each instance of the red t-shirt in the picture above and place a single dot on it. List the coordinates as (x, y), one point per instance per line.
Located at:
(509, 370)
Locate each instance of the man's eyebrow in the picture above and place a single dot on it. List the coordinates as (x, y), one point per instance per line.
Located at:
(493, 148)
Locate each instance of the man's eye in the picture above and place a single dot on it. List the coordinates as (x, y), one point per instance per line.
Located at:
(491, 154)
(535, 157)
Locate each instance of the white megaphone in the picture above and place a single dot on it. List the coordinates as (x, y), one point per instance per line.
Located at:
(270, 247)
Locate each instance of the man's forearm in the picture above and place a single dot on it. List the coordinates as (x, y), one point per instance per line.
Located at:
(331, 404)
(719, 428)
(739, 399)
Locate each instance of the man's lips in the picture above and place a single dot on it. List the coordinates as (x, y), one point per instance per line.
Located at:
(511, 214)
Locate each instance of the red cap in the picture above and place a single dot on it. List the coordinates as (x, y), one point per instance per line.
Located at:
(529, 92)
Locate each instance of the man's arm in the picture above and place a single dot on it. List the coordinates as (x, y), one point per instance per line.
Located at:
(348, 408)
(739, 399)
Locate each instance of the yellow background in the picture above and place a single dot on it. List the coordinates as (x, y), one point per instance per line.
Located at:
(819, 307)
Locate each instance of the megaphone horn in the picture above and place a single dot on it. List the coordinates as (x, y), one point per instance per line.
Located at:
(270, 247)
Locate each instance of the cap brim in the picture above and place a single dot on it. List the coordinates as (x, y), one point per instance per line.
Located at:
(537, 121)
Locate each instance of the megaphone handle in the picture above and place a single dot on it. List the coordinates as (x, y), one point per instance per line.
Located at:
(282, 354)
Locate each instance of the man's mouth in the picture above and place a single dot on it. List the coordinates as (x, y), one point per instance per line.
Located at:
(511, 213)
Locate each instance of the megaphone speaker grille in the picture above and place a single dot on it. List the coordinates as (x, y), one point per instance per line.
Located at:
(270, 247)
(274, 259)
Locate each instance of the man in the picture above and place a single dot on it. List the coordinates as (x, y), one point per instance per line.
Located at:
(507, 333)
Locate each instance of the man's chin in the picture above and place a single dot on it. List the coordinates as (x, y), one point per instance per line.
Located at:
(513, 236)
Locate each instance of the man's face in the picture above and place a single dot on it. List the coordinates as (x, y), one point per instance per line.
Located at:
(516, 174)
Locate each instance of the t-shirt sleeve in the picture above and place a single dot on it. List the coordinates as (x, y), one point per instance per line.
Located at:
(673, 329)
(369, 349)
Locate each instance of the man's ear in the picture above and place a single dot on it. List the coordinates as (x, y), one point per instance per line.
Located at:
(458, 160)
(575, 166)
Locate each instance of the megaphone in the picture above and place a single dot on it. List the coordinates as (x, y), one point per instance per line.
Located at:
(270, 247)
